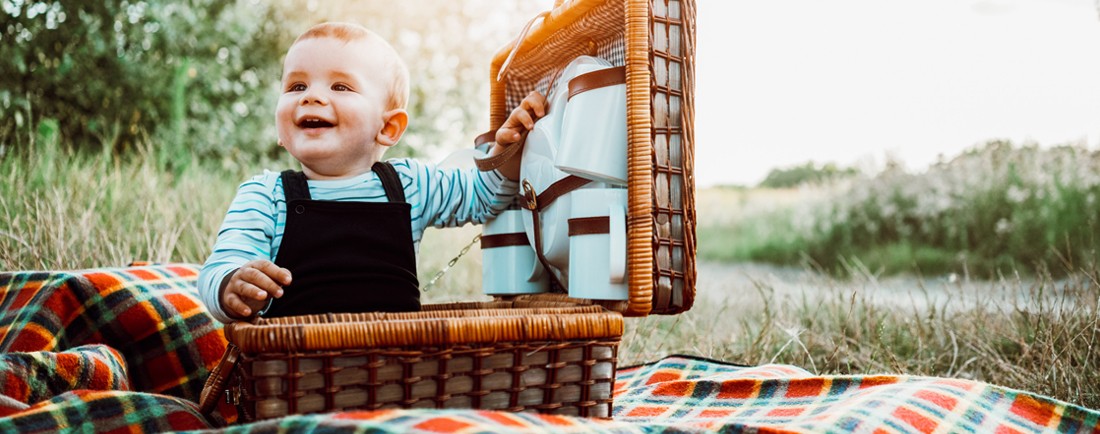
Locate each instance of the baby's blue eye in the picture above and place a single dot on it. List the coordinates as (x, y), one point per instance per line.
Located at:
(340, 87)
(297, 87)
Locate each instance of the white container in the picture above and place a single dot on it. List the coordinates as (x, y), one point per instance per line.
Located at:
(537, 167)
(512, 269)
(598, 260)
(593, 132)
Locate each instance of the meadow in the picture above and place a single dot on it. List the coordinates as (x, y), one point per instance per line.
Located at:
(996, 209)
(1031, 328)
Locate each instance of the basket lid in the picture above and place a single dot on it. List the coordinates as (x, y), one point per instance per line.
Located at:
(655, 44)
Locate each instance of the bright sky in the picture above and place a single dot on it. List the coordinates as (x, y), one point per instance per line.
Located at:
(782, 82)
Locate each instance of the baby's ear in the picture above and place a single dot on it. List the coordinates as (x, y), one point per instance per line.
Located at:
(394, 123)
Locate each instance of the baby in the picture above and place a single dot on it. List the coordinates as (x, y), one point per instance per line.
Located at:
(342, 235)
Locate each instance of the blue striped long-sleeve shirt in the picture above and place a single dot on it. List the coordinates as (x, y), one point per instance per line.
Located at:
(253, 226)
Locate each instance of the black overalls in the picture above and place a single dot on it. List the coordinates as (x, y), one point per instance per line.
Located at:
(346, 256)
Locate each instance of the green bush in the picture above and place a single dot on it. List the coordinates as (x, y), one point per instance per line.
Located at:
(201, 77)
(196, 76)
(997, 208)
(806, 173)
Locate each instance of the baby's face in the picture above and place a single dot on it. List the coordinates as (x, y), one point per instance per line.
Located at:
(332, 105)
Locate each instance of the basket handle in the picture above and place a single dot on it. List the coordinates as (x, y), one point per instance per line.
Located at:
(216, 382)
(519, 42)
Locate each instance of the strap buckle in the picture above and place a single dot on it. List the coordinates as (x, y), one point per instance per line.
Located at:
(530, 195)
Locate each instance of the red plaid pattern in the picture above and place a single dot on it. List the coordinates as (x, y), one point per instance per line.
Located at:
(74, 343)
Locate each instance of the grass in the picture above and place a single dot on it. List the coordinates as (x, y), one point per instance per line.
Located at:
(1046, 340)
(64, 211)
(998, 208)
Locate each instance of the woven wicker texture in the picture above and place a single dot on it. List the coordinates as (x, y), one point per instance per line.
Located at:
(434, 327)
(544, 352)
(522, 355)
(655, 41)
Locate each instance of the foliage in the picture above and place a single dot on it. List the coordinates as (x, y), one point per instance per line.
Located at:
(806, 173)
(201, 77)
(996, 208)
(194, 75)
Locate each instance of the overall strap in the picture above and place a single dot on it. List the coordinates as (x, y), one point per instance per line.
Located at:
(294, 185)
(390, 182)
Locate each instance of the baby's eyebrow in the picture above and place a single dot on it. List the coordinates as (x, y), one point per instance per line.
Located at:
(341, 75)
(293, 74)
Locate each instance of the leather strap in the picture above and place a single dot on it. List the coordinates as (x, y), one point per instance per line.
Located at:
(518, 42)
(495, 161)
(553, 192)
(504, 240)
(597, 79)
(486, 137)
(538, 248)
(589, 225)
(537, 202)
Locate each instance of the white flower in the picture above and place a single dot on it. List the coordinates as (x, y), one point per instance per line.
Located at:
(1016, 194)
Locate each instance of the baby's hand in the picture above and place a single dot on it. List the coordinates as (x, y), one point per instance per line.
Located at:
(250, 286)
(522, 119)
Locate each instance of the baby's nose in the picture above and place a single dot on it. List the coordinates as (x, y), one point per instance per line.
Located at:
(312, 97)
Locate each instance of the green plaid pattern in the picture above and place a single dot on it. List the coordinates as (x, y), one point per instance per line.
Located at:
(72, 344)
(693, 393)
(38, 376)
(141, 328)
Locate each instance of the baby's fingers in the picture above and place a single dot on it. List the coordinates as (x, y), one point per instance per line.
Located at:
(508, 136)
(254, 280)
(523, 117)
(276, 273)
(236, 307)
(534, 102)
(247, 291)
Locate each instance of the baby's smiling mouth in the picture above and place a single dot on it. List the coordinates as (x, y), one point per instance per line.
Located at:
(314, 123)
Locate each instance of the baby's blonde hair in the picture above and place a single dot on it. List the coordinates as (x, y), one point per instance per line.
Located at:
(348, 32)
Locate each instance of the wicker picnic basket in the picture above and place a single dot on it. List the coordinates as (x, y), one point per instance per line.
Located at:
(542, 352)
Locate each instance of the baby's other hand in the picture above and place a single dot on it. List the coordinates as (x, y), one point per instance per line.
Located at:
(522, 119)
(250, 286)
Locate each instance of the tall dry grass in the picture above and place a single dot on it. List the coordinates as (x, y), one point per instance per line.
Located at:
(65, 211)
(60, 210)
(998, 208)
(1040, 335)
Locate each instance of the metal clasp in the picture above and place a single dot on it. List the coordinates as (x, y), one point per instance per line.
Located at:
(530, 195)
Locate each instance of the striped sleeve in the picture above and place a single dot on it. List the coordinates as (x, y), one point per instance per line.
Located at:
(453, 197)
(245, 234)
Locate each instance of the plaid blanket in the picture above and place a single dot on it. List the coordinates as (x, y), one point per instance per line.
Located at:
(140, 328)
(129, 349)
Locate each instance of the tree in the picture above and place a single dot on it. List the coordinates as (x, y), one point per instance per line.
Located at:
(201, 76)
(113, 71)
(808, 172)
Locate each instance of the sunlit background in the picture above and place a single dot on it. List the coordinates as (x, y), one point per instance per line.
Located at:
(862, 82)
(856, 82)
(779, 83)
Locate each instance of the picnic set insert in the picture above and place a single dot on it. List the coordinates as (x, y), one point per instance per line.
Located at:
(543, 352)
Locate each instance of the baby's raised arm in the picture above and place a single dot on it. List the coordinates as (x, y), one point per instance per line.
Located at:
(520, 121)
